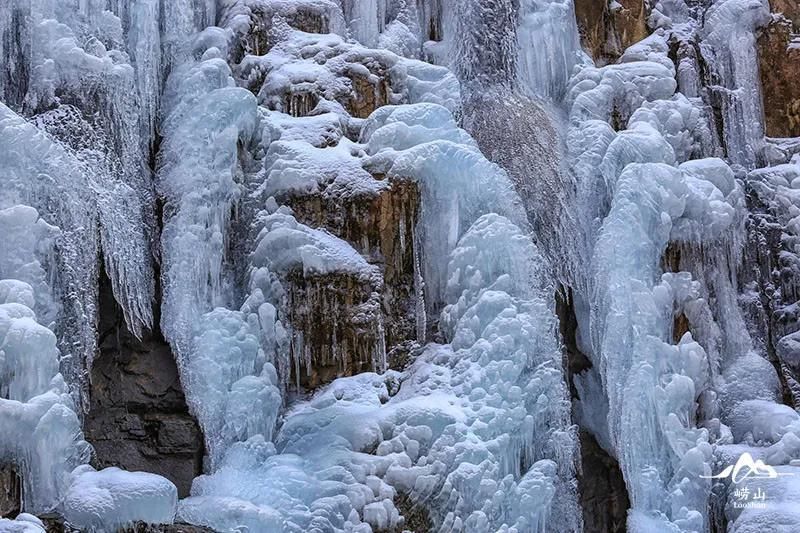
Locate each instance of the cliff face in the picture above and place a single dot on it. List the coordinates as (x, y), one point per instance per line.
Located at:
(779, 60)
(377, 266)
(607, 30)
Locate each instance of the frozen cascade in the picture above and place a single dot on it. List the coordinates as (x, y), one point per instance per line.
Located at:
(548, 45)
(91, 79)
(360, 294)
(72, 198)
(729, 39)
(382, 402)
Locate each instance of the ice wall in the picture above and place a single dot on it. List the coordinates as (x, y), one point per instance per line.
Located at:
(478, 453)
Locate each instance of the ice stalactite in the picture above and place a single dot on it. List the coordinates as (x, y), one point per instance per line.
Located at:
(637, 152)
(65, 192)
(729, 46)
(73, 81)
(503, 104)
(365, 19)
(548, 46)
(717, 60)
(207, 123)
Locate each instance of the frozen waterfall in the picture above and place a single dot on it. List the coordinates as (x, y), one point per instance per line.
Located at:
(515, 266)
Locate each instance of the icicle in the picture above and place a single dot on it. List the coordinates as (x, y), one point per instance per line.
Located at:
(419, 290)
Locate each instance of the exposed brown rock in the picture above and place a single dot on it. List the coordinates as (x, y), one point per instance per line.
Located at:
(629, 22)
(779, 64)
(606, 33)
(258, 41)
(591, 16)
(789, 8)
(381, 229)
(138, 418)
(369, 92)
(347, 321)
(337, 328)
(680, 327)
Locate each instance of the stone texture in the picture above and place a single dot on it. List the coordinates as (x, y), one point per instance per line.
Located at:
(381, 229)
(771, 265)
(138, 418)
(606, 32)
(337, 318)
(780, 67)
(10, 492)
(604, 498)
(369, 92)
(258, 40)
(789, 8)
(56, 525)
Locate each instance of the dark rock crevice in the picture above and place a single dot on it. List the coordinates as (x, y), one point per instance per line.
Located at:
(138, 418)
(603, 495)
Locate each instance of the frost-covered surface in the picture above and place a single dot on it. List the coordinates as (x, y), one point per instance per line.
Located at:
(275, 133)
(339, 476)
(113, 498)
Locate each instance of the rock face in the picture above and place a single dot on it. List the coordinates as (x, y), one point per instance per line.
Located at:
(607, 31)
(138, 419)
(10, 492)
(604, 498)
(779, 58)
(56, 525)
(789, 8)
(336, 313)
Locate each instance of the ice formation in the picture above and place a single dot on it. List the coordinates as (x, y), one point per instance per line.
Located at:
(46, 446)
(407, 255)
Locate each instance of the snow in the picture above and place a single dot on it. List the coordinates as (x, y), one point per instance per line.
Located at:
(113, 498)
(23, 523)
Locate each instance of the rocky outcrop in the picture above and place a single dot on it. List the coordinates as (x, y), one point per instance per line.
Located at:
(10, 492)
(790, 9)
(607, 30)
(350, 323)
(381, 229)
(604, 498)
(138, 419)
(779, 61)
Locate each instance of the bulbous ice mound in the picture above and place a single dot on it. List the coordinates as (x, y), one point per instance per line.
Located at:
(113, 498)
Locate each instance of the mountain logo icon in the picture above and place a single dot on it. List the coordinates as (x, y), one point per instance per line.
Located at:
(746, 468)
